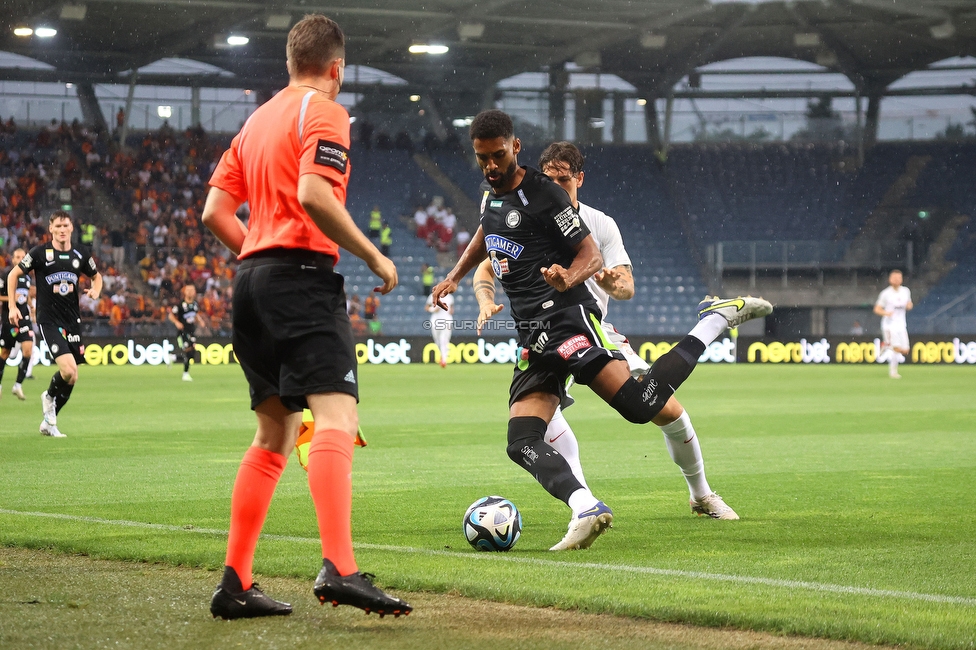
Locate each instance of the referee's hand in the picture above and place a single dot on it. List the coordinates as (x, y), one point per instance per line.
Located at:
(384, 268)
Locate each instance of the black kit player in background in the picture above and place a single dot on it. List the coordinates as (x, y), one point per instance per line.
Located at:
(23, 333)
(542, 253)
(57, 268)
(185, 316)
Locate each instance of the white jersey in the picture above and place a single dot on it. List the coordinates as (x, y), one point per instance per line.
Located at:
(439, 314)
(896, 301)
(607, 236)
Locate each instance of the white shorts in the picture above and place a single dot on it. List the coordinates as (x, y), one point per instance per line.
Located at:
(896, 337)
(637, 365)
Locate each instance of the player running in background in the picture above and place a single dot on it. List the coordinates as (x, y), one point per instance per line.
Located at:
(57, 267)
(893, 303)
(563, 163)
(23, 333)
(291, 332)
(441, 322)
(185, 316)
(543, 253)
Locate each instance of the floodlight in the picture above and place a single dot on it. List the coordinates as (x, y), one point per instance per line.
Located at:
(420, 48)
(237, 40)
(23, 31)
(164, 112)
(45, 32)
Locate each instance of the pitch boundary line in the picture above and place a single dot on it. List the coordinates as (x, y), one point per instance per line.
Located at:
(500, 557)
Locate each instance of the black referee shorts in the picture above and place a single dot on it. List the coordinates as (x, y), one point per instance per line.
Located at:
(291, 331)
(567, 342)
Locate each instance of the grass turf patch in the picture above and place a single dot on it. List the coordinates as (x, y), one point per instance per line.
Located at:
(843, 479)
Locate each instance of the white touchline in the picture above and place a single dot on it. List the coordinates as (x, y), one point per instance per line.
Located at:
(501, 557)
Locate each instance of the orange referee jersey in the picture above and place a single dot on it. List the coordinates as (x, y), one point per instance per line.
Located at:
(298, 131)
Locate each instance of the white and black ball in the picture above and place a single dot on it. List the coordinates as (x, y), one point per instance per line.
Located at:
(492, 524)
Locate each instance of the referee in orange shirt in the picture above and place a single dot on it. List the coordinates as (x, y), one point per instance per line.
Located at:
(291, 332)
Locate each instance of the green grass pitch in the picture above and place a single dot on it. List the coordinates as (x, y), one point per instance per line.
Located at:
(855, 493)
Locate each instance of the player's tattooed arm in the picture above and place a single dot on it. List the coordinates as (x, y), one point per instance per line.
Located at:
(484, 291)
(470, 258)
(618, 281)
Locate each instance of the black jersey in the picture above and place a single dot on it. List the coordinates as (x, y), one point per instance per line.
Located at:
(22, 291)
(186, 312)
(533, 226)
(56, 274)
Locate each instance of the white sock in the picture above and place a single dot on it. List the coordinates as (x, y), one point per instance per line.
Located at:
(560, 437)
(893, 363)
(682, 443)
(709, 328)
(582, 500)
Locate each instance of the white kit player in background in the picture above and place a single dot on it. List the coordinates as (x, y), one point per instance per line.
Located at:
(892, 305)
(441, 322)
(563, 163)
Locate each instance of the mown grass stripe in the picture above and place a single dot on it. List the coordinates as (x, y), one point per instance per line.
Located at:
(622, 568)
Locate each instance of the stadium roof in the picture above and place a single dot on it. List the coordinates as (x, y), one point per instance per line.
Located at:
(649, 43)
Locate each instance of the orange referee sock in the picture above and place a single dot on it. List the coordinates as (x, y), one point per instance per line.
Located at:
(253, 489)
(330, 482)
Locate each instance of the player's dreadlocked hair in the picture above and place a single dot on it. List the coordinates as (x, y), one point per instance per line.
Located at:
(313, 44)
(491, 124)
(564, 152)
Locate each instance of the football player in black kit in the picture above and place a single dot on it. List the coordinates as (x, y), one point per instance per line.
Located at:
(542, 253)
(57, 268)
(185, 316)
(23, 333)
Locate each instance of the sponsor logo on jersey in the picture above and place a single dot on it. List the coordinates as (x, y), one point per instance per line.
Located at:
(547, 304)
(484, 202)
(48, 255)
(578, 342)
(332, 154)
(540, 343)
(62, 276)
(497, 204)
(521, 195)
(75, 264)
(500, 244)
(568, 221)
(499, 265)
(513, 218)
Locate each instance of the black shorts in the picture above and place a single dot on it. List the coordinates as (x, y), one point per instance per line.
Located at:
(568, 342)
(62, 340)
(11, 336)
(292, 334)
(186, 341)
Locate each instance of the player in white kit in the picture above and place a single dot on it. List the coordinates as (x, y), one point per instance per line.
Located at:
(563, 163)
(441, 323)
(893, 303)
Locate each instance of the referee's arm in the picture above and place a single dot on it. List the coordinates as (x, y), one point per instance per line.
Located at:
(331, 217)
(220, 217)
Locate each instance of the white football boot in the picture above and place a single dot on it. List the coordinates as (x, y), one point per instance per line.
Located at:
(585, 528)
(734, 310)
(51, 430)
(712, 506)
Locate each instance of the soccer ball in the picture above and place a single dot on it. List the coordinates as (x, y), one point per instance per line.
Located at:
(492, 524)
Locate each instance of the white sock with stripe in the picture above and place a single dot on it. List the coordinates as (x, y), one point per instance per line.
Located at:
(682, 443)
(709, 328)
(560, 436)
